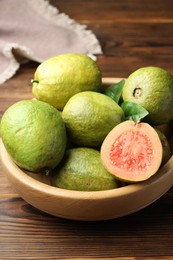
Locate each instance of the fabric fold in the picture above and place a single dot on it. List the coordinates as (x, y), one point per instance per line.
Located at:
(35, 30)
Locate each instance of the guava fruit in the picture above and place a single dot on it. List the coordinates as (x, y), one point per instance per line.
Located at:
(81, 169)
(34, 135)
(60, 77)
(132, 151)
(89, 116)
(152, 88)
(165, 146)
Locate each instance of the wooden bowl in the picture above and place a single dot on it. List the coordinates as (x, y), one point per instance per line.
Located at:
(78, 205)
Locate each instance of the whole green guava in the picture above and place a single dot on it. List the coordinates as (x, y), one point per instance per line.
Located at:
(81, 169)
(60, 77)
(89, 116)
(34, 135)
(152, 88)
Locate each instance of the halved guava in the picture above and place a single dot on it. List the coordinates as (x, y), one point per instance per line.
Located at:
(132, 151)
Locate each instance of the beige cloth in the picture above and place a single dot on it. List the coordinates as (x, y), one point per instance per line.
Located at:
(35, 30)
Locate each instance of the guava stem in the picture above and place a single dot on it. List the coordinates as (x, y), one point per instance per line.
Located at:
(34, 81)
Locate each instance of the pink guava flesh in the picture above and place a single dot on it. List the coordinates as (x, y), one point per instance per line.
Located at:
(132, 151)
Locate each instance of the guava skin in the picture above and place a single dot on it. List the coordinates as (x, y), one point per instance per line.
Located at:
(165, 145)
(81, 169)
(89, 116)
(152, 88)
(60, 77)
(34, 135)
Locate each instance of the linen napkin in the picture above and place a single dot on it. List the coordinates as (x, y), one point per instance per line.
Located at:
(36, 30)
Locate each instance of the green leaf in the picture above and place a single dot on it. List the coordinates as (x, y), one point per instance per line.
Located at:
(133, 111)
(115, 91)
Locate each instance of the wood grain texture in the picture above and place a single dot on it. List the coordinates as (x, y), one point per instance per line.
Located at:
(132, 34)
(26, 232)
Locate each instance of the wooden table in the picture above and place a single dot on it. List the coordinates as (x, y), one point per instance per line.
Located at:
(133, 34)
